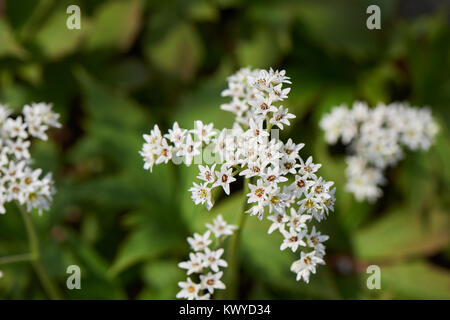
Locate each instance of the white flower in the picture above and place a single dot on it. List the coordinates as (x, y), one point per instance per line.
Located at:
(213, 261)
(195, 264)
(220, 228)
(199, 242)
(18, 182)
(280, 117)
(201, 193)
(163, 152)
(204, 133)
(257, 210)
(189, 149)
(292, 239)
(189, 290)
(278, 222)
(253, 150)
(212, 281)
(176, 135)
(15, 128)
(308, 169)
(262, 105)
(279, 94)
(315, 240)
(224, 178)
(204, 260)
(259, 192)
(306, 265)
(375, 138)
(207, 173)
(297, 221)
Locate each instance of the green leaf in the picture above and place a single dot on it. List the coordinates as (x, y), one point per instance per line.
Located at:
(96, 281)
(115, 25)
(8, 44)
(403, 234)
(259, 51)
(153, 232)
(179, 53)
(161, 278)
(55, 39)
(416, 280)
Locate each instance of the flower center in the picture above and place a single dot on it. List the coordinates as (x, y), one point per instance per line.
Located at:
(309, 204)
(203, 193)
(275, 200)
(191, 289)
(259, 192)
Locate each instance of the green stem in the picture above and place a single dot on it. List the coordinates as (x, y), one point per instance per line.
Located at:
(48, 286)
(25, 257)
(234, 263)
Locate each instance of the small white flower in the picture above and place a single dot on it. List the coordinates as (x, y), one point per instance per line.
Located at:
(280, 117)
(213, 261)
(189, 149)
(199, 242)
(212, 281)
(207, 173)
(163, 152)
(224, 178)
(220, 227)
(308, 169)
(259, 192)
(201, 193)
(204, 133)
(278, 222)
(189, 290)
(298, 221)
(195, 264)
(176, 135)
(306, 265)
(293, 239)
(315, 240)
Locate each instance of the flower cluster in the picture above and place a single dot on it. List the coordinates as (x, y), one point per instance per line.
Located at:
(205, 263)
(376, 137)
(18, 181)
(280, 182)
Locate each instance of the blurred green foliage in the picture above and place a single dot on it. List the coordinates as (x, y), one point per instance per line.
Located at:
(136, 63)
